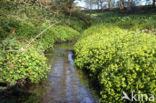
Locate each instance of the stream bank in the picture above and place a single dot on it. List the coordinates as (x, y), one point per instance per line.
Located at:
(65, 83)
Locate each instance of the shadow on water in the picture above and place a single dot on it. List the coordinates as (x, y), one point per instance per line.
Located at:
(65, 83)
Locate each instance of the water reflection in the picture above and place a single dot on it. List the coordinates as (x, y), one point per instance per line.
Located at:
(65, 84)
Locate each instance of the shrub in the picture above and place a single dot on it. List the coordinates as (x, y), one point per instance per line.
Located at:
(57, 33)
(25, 32)
(18, 66)
(118, 61)
(65, 33)
(6, 26)
(3, 34)
(11, 26)
(77, 24)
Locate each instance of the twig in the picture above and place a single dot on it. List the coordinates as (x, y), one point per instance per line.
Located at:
(41, 33)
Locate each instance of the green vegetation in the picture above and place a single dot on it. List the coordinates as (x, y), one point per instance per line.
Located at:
(118, 50)
(142, 22)
(26, 31)
(119, 56)
(65, 33)
(19, 66)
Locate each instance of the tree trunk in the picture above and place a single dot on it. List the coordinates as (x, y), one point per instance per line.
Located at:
(98, 5)
(70, 3)
(130, 2)
(153, 2)
(101, 5)
(121, 4)
(109, 4)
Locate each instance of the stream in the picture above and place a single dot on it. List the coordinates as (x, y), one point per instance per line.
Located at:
(65, 83)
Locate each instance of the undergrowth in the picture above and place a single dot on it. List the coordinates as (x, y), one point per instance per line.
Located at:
(26, 31)
(119, 54)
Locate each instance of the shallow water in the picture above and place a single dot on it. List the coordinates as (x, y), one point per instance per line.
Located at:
(65, 83)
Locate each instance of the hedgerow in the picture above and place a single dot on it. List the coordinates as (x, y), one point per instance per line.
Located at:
(118, 60)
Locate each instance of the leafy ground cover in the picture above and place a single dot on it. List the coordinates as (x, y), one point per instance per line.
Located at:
(26, 31)
(140, 22)
(119, 56)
